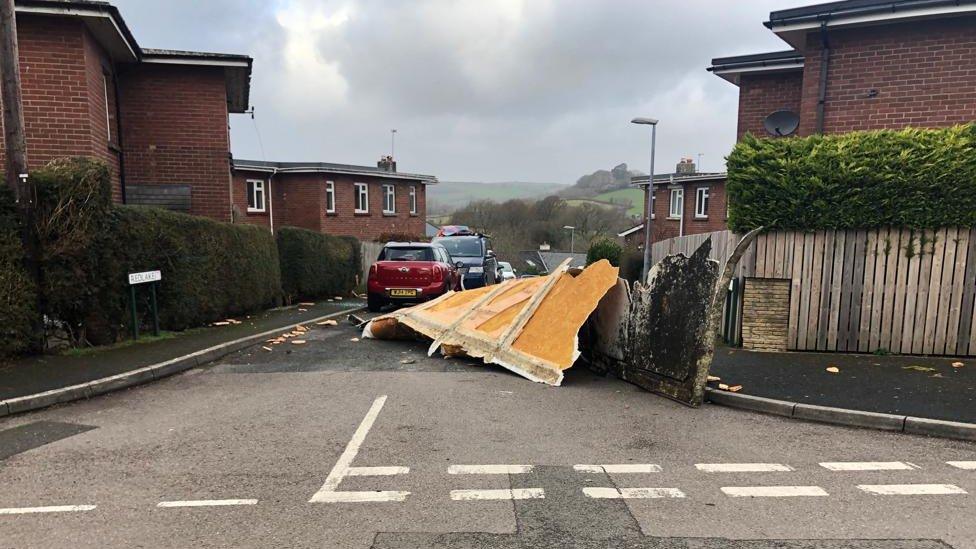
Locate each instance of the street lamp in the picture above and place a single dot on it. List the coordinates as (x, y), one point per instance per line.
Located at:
(649, 213)
(572, 238)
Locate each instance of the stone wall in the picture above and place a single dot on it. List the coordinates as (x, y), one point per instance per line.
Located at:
(765, 314)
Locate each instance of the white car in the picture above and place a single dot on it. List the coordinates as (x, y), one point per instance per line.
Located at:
(505, 271)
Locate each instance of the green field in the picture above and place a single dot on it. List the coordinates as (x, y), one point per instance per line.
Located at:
(635, 196)
(451, 195)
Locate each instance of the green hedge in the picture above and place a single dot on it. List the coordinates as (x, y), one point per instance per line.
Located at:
(18, 295)
(604, 248)
(210, 270)
(316, 265)
(918, 178)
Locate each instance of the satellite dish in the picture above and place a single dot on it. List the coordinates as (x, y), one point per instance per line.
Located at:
(782, 123)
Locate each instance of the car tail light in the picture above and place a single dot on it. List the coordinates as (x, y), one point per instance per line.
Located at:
(372, 270)
(438, 273)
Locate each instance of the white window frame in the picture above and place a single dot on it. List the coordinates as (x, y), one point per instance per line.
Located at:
(362, 192)
(108, 118)
(389, 198)
(702, 197)
(330, 203)
(413, 199)
(653, 203)
(677, 197)
(252, 187)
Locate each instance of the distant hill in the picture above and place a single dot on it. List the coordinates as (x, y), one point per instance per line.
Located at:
(600, 181)
(448, 196)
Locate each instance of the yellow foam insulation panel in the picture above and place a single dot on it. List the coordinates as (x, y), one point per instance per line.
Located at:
(528, 326)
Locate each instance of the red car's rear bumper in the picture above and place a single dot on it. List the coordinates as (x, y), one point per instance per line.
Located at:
(424, 293)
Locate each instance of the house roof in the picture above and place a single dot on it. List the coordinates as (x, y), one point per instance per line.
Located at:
(554, 259)
(108, 27)
(668, 178)
(327, 167)
(793, 24)
(732, 68)
(632, 230)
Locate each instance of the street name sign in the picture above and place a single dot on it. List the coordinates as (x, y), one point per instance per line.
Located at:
(142, 278)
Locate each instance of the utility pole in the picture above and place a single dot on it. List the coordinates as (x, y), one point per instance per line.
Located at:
(13, 113)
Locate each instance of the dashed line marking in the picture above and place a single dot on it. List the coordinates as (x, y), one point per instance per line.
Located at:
(619, 468)
(773, 491)
(343, 467)
(742, 467)
(869, 466)
(489, 469)
(964, 465)
(503, 494)
(632, 493)
(911, 489)
(207, 503)
(48, 509)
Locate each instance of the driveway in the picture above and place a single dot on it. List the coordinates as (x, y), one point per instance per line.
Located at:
(360, 444)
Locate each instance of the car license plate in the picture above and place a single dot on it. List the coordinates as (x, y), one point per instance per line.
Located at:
(401, 292)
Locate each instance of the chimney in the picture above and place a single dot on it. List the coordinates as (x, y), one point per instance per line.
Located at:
(386, 163)
(686, 167)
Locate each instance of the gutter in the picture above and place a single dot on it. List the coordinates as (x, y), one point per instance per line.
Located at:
(271, 200)
(890, 7)
(824, 66)
(118, 124)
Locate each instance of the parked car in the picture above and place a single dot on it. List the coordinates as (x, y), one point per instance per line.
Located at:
(506, 271)
(410, 272)
(475, 258)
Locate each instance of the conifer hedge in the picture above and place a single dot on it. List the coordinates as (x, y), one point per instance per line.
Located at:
(316, 265)
(18, 295)
(917, 178)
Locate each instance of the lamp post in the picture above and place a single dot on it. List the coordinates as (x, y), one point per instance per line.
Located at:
(572, 238)
(393, 133)
(648, 207)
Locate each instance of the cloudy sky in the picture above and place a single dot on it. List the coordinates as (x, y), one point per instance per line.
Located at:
(479, 90)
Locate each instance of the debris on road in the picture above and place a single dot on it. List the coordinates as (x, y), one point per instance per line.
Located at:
(356, 321)
(407, 361)
(919, 368)
(298, 342)
(266, 348)
(957, 364)
(327, 323)
(306, 304)
(713, 378)
(222, 323)
(833, 369)
(528, 326)
(302, 310)
(735, 388)
(355, 339)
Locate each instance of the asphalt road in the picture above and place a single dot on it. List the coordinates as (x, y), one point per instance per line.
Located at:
(368, 444)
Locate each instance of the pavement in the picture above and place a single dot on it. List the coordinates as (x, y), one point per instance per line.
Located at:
(36, 374)
(347, 443)
(928, 387)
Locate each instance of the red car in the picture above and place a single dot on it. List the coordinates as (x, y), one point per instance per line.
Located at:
(410, 272)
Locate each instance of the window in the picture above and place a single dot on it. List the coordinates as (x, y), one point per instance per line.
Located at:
(362, 198)
(389, 199)
(413, 200)
(401, 253)
(677, 203)
(255, 196)
(701, 202)
(329, 197)
(653, 204)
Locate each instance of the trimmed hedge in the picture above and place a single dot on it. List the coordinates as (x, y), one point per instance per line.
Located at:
(916, 178)
(316, 265)
(211, 270)
(17, 291)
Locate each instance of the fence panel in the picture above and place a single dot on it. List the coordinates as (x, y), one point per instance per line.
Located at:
(369, 251)
(900, 290)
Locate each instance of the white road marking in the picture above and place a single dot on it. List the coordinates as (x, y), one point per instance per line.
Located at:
(49, 509)
(869, 466)
(504, 494)
(773, 491)
(328, 493)
(742, 467)
(619, 468)
(488, 469)
(632, 493)
(207, 503)
(911, 489)
(965, 465)
(376, 471)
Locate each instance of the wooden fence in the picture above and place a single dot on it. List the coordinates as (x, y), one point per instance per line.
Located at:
(898, 290)
(369, 251)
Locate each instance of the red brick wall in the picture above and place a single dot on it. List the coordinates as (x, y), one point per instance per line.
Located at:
(925, 74)
(174, 131)
(299, 200)
(762, 94)
(57, 114)
(97, 66)
(664, 227)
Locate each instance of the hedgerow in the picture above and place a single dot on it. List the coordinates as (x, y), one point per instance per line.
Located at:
(315, 265)
(18, 295)
(916, 178)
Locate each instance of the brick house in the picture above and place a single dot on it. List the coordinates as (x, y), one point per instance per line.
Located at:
(862, 65)
(158, 118)
(340, 199)
(685, 202)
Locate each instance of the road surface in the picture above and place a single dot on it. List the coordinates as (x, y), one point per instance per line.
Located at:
(370, 444)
